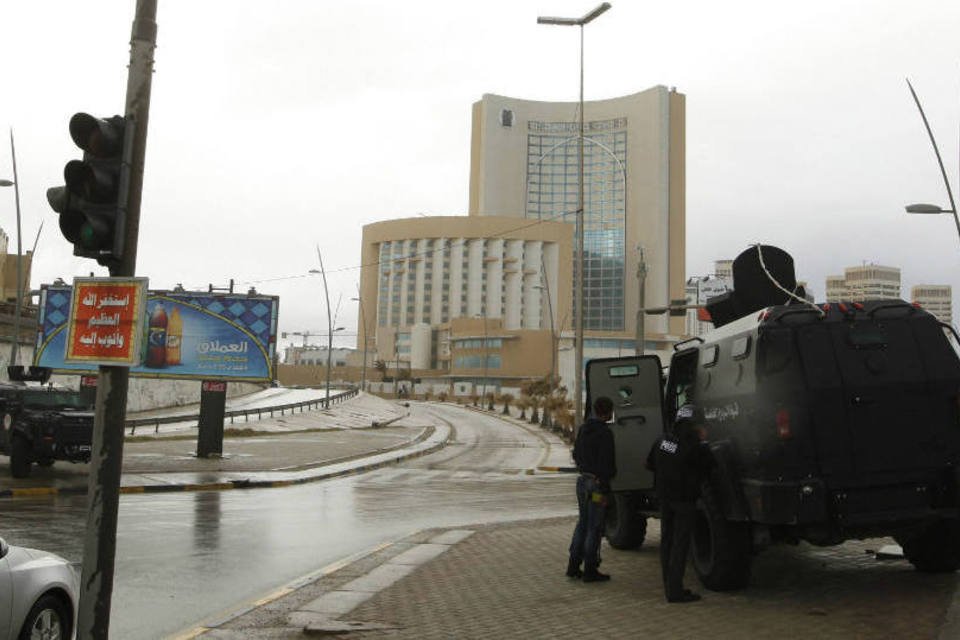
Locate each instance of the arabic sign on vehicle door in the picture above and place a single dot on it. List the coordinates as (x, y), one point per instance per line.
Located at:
(189, 335)
(105, 325)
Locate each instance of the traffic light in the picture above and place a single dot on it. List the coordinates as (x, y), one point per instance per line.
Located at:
(92, 205)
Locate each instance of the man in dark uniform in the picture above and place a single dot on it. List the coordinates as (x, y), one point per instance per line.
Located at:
(594, 456)
(681, 462)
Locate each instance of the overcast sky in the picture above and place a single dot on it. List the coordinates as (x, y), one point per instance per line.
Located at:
(277, 127)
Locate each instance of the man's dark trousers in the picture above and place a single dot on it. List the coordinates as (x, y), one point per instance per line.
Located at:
(676, 528)
(585, 546)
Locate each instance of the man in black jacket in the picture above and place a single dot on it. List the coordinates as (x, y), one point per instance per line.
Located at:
(681, 462)
(594, 455)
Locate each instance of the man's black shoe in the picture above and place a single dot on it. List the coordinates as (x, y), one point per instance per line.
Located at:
(574, 573)
(686, 596)
(595, 576)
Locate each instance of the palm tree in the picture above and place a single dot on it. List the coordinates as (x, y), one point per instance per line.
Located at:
(381, 367)
(490, 398)
(442, 396)
(523, 404)
(506, 399)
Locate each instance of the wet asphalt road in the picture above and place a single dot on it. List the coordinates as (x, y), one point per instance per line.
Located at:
(186, 557)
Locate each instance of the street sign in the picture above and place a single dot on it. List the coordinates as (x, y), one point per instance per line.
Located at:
(105, 325)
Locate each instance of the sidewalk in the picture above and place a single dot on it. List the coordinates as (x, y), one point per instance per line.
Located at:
(506, 581)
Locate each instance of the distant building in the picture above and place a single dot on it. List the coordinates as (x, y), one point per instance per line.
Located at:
(935, 298)
(836, 289)
(699, 291)
(724, 269)
(316, 356)
(865, 282)
(472, 299)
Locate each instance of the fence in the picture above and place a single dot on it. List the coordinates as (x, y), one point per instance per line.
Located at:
(282, 409)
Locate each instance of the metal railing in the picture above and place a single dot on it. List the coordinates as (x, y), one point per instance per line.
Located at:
(259, 412)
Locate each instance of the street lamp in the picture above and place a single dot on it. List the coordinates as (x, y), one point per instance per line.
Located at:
(15, 183)
(578, 280)
(330, 328)
(553, 332)
(932, 208)
(363, 321)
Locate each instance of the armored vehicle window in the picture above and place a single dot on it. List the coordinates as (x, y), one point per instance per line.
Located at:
(682, 381)
(625, 371)
(53, 399)
(741, 348)
(708, 356)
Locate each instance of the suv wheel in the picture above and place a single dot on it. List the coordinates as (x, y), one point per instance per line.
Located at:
(625, 527)
(936, 549)
(721, 549)
(20, 457)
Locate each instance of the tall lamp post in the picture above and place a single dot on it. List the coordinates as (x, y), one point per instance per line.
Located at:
(363, 321)
(330, 328)
(932, 208)
(15, 183)
(578, 280)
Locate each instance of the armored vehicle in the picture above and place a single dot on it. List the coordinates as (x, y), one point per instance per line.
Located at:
(40, 423)
(827, 422)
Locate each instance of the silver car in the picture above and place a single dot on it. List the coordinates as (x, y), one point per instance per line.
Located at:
(38, 595)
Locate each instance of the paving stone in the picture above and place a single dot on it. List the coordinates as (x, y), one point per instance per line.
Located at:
(380, 578)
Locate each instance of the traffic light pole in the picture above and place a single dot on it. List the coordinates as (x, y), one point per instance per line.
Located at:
(103, 493)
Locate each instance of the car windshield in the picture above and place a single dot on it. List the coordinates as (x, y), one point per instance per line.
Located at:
(54, 398)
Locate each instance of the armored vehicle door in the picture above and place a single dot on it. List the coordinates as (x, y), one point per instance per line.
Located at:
(634, 385)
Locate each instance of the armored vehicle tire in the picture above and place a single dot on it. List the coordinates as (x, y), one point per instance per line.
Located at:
(721, 549)
(46, 462)
(19, 457)
(625, 526)
(936, 549)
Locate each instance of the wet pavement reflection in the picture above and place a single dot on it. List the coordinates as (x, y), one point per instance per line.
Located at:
(185, 557)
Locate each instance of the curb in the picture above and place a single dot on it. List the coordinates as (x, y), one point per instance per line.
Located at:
(253, 483)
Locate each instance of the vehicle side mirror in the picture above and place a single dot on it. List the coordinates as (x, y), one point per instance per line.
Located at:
(4, 548)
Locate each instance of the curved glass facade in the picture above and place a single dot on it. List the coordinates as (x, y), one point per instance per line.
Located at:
(553, 180)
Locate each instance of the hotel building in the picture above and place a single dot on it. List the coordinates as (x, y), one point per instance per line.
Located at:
(482, 297)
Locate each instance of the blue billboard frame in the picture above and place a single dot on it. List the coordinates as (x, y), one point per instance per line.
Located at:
(190, 335)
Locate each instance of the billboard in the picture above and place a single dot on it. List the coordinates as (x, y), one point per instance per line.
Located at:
(190, 335)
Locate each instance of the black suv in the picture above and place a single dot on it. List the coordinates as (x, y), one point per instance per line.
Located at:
(42, 424)
(827, 422)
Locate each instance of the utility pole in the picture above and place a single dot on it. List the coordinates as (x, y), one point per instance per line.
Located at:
(641, 304)
(103, 493)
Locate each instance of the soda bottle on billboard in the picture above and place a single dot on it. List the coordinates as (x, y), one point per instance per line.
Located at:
(174, 337)
(157, 338)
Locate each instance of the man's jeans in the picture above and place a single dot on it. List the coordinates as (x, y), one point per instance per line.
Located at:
(585, 546)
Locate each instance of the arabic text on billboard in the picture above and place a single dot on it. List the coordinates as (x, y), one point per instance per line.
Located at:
(189, 335)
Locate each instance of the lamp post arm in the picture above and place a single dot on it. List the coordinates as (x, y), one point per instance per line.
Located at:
(936, 150)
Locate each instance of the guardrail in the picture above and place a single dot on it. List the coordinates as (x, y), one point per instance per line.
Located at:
(282, 409)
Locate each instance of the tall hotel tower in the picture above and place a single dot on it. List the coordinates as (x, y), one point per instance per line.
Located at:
(525, 164)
